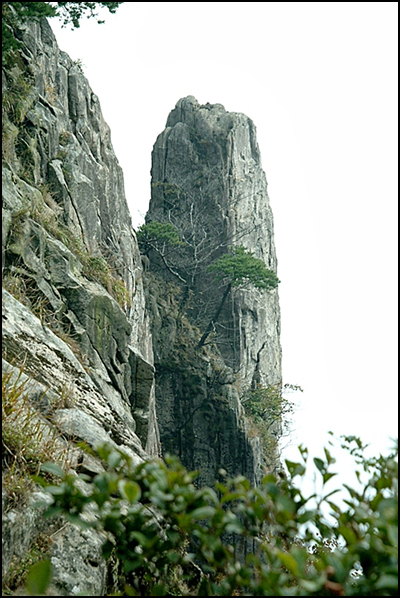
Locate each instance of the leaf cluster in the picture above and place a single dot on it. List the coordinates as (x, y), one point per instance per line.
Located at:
(242, 268)
(15, 14)
(267, 403)
(71, 13)
(158, 523)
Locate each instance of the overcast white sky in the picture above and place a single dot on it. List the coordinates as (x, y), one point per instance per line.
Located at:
(319, 80)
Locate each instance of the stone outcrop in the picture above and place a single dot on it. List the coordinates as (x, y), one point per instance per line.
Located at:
(200, 416)
(67, 231)
(93, 416)
(207, 180)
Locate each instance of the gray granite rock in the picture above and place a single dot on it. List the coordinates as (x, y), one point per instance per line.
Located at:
(77, 564)
(85, 350)
(71, 205)
(208, 181)
(207, 176)
(21, 527)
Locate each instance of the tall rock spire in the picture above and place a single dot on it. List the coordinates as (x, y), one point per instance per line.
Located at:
(208, 181)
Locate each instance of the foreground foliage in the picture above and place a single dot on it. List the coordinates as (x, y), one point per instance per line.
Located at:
(158, 524)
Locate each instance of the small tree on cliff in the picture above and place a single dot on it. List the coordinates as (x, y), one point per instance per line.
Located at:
(269, 413)
(160, 237)
(239, 269)
(70, 13)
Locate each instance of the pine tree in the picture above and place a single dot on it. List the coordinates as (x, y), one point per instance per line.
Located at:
(240, 269)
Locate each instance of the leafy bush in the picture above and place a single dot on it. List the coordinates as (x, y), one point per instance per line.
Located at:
(158, 524)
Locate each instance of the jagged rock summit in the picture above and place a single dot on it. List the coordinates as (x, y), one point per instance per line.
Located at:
(208, 180)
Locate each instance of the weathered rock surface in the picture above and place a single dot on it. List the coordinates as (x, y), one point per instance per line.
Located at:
(198, 408)
(77, 564)
(207, 180)
(21, 527)
(67, 228)
(75, 318)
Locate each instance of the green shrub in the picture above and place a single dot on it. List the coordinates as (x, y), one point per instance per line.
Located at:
(268, 411)
(157, 234)
(157, 524)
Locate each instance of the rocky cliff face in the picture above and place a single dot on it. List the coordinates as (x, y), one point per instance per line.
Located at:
(74, 315)
(208, 182)
(67, 232)
(94, 348)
